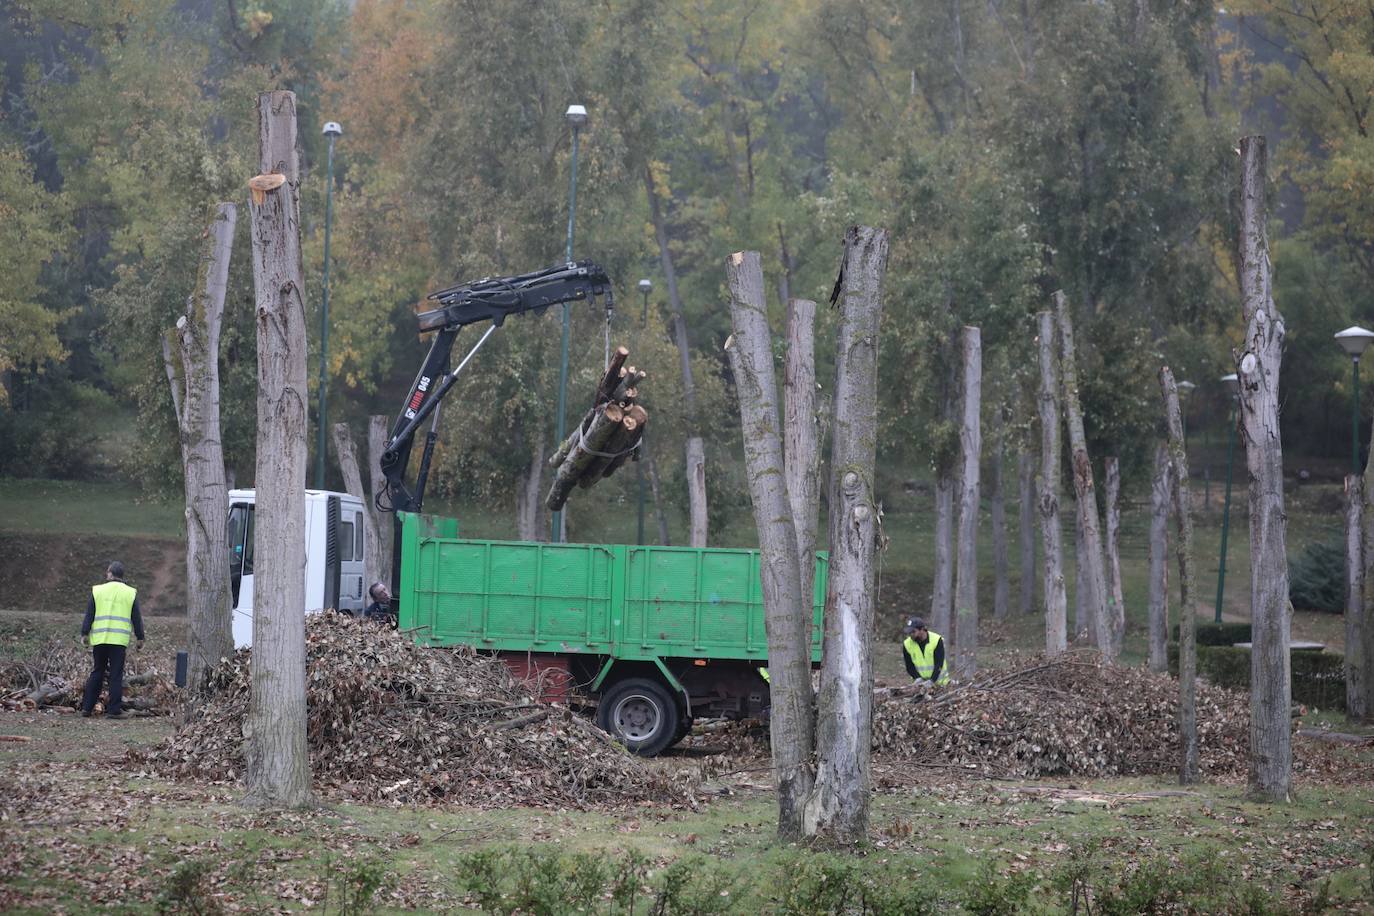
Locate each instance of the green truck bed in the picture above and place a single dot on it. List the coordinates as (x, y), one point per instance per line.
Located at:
(623, 602)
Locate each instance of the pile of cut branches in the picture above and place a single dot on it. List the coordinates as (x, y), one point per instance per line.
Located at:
(608, 435)
(55, 676)
(1061, 717)
(392, 722)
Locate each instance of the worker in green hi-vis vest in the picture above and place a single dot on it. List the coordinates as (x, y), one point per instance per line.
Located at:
(111, 618)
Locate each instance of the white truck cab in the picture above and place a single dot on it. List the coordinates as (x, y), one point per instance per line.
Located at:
(334, 544)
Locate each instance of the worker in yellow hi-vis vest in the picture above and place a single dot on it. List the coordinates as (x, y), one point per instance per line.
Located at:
(111, 618)
(924, 653)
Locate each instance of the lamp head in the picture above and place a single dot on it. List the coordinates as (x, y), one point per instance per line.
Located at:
(1232, 383)
(1185, 388)
(1354, 340)
(576, 115)
(332, 129)
(645, 285)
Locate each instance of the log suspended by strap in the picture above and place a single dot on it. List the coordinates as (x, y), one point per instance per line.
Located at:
(608, 435)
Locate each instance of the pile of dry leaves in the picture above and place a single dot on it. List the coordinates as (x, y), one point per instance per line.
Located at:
(394, 722)
(55, 676)
(1065, 717)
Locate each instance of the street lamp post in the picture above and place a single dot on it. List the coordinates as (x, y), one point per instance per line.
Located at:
(576, 116)
(333, 131)
(645, 286)
(1354, 340)
(1232, 383)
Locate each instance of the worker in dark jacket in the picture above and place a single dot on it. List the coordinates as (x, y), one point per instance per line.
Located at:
(379, 611)
(924, 653)
(111, 618)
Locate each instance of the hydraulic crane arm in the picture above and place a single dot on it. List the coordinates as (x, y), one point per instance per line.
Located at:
(489, 299)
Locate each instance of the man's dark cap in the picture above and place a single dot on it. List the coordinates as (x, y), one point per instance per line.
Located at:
(913, 624)
(116, 569)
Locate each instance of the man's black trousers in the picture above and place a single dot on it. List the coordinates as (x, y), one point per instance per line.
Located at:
(106, 658)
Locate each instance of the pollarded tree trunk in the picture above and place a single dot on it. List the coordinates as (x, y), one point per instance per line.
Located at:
(528, 488)
(1025, 476)
(277, 767)
(801, 449)
(347, 453)
(970, 455)
(838, 808)
(942, 588)
(787, 611)
(1081, 624)
(1356, 688)
(1116, 605)
(1094, 577)
(1257, 365)
(1001, 595)
(1187, 619)
(1047, 486)
(193, 373)
(695, 451)
(1161, 485)
(696, 486)
(383, 523)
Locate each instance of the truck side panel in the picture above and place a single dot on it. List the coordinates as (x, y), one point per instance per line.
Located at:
(634, 603)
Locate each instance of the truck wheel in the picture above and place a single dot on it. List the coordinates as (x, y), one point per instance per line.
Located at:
(641, 715)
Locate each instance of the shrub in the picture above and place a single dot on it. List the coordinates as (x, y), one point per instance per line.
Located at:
(1318, 677)
(1316, 579)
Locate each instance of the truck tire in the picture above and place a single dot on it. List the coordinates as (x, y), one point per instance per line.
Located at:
(640, 714)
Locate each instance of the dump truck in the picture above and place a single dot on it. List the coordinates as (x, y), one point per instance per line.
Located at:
(654, 636)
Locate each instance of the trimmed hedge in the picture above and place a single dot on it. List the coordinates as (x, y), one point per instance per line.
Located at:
(1318, 677)
(1219, 634)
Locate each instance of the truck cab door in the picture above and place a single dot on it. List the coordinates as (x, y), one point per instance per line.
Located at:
(241, 517)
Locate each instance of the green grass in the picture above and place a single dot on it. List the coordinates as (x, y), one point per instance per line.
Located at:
(72, 507)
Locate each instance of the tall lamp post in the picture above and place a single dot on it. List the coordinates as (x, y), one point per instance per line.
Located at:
(333, 131)
(1354, 340)
(1232, 383)
(576, 116)
(645, 286)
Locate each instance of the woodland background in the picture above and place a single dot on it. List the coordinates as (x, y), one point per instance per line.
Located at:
(1013, 147)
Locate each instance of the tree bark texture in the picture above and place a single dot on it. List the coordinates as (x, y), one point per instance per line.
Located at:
(838, 809)
(1047, 488)
(378, 427)
(277, 767)
(1356, 687)
(1081, 624)
(942, 587)
(528, 487)
(1257, 365)
(1116, 605)
(970, 458)
(1094, 577)
(1001, 595)
(696, 490)
(1025, 477)
(801, 448)
(1161, 485)
(193, 373)
(1187, 618)
(787, 609)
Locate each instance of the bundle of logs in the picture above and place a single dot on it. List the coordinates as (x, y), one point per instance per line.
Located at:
(608, 435)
